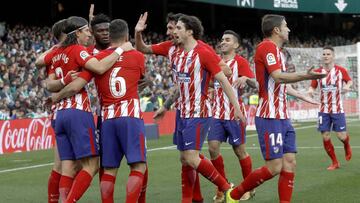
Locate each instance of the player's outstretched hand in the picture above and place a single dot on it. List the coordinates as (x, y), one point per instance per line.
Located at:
(315, 75)
(127, 46)
(240, 82)
(346, 89)
(141, 24)
(310, 100)
(91, 12)
(159, 114)
(239, 116)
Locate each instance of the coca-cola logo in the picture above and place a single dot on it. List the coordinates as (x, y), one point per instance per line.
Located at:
(26, 135)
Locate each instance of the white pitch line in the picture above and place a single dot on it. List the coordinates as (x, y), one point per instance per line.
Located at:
(174, 147)
(24, 168)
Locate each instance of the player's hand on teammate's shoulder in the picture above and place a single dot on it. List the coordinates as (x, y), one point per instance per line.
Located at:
(127, 46)
(314, 74)
(141, 24)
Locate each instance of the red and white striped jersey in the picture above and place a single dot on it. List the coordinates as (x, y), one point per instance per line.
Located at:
(194, 70)
(222, 108)
(50, 70)
(67, 59)
(272, 95)
(118, 87)
(169, 49)
(330, 89)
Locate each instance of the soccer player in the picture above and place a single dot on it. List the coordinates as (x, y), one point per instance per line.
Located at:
(223, 126)
(194, 66)
(165, 49)
(55, 175)
(74, 128)
(331, 113)
(122, 130)
(275, 132)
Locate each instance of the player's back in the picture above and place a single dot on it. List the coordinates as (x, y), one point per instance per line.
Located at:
(118, 87)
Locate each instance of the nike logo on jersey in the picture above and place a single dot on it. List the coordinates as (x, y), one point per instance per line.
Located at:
(343, 127)
(235, 140)
(188, 143)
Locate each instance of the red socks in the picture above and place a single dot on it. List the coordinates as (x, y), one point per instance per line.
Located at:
(329, 148)
(142, 198)
(81, 183)
(246, 166)
(133, 186)
(64, 187)
(209, 172)
(348, 152)
(285, 186)
(53, 187)
(188, 177)
(254, 179)
(219, 165)
(107, 184)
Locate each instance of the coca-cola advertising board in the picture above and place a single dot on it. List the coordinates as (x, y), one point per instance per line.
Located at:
(26, 135)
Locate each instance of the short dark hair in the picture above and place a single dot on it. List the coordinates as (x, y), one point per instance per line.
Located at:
(269, 22)
(231, 32)
(193, 23)
(173, 16)
(329, 48)
(73, 23)
(118, 29)
(99, 18)
(58, 28)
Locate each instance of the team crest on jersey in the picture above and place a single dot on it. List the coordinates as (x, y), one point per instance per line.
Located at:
(84, 55)
(276, 150)
(270, 59)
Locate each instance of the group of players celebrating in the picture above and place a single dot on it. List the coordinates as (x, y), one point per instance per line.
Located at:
(207, 98)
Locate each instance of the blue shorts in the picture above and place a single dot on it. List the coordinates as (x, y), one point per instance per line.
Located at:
(192, 133)
(221, 130)
(177, 120)
(276, 137)
(336, 120)
(124, 136)
(75, 134)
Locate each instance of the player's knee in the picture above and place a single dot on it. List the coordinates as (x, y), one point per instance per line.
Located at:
(57, 166)
(289, 164)
(214, 151)
(240, 152)
(140, 166)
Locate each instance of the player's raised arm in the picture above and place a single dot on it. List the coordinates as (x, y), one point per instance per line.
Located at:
(139, 42)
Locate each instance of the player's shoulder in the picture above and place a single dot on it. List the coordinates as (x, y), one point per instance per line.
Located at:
(240, 59)
(266, 44)
(134, 53)
(341, 68)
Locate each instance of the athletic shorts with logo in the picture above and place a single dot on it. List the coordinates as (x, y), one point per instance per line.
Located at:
(336, 120)
(231, 130)
(276, 137)
(192, 133)
(75, 134)
(122, 136)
